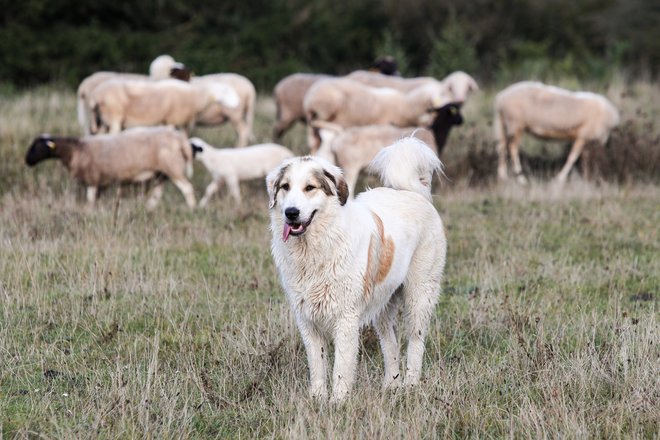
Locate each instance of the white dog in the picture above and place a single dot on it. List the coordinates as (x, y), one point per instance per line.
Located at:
(345, 263)
(233, 165)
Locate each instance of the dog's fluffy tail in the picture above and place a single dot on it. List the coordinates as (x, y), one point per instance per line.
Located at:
(408, 164)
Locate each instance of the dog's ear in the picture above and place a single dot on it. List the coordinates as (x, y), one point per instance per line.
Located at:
(337, 179)
(273, 183)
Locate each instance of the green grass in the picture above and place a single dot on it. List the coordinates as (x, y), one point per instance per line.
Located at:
(116, 322)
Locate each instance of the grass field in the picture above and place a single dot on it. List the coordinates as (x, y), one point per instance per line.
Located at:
(117, 322)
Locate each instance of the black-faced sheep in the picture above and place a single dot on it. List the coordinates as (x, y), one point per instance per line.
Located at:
(135, 155)
(549, 112)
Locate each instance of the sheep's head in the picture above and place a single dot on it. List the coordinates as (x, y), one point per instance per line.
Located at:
(197, 146)
(449, 114)
(43, 147)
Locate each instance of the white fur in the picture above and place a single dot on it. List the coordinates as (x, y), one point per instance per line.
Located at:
(234, 165)
(328, 272)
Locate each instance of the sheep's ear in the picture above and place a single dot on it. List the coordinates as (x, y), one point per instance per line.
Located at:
(273, 184)
(340, 183)
(473, 85)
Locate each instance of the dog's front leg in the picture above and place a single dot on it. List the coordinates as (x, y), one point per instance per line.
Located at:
(346, 339)
(317, 358)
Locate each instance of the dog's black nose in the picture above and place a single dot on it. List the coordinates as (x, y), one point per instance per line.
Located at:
(292, 213)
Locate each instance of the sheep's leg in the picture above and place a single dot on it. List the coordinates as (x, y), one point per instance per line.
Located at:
(351, 176)
(585, 162)
(576, 149)
(514, 147)
(92, 191)
(187, 190)
(502, 147)
(115, 127)
(211, 189)
(313, 139)
(155, 194)
(242, 132)
(234, 187)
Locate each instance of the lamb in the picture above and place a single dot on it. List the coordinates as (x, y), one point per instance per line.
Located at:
(239, 112)
(135, 155)
(289, 94)
(352, 149)
(349, 103)
(119, 104)
(549, 112)
(233, 165)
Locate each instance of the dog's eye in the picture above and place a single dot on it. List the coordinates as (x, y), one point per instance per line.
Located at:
(285, 187)
(309, 188)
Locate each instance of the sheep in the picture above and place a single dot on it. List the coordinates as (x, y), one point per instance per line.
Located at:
(161, 67)
(352, 149)
(135, 155)
(289, 94)
(233, 165)
(375, 79)
(119, 104)
(90, 83)
(549, 112)
(240, 114)
(349, 103)
(458, 85)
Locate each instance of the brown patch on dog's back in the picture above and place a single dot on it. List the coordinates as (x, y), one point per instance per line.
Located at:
(379, 257)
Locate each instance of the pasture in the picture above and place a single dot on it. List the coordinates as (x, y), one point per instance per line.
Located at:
(117, 322)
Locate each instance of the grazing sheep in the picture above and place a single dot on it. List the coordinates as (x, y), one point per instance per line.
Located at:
(289, 94)
(233, 165)
(239, 113)
(352, 149)
(119, 104)
(135, 155)
(549, 112)
(349, 103)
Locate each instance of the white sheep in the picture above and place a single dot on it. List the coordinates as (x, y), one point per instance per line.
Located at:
(240, 111)
(289, 93)
(352, 149)
(135, 155)
(233, 165)
(549, 112)
(376, 79)
(459, 86)
(118, 104)
(161, 67)
(349, 103)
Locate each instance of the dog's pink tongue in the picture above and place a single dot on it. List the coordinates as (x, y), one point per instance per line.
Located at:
(286, 231)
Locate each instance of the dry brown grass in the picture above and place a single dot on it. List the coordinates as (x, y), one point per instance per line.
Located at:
(118, 322)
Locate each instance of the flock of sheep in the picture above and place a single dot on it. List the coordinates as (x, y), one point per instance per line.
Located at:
(136, 127)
